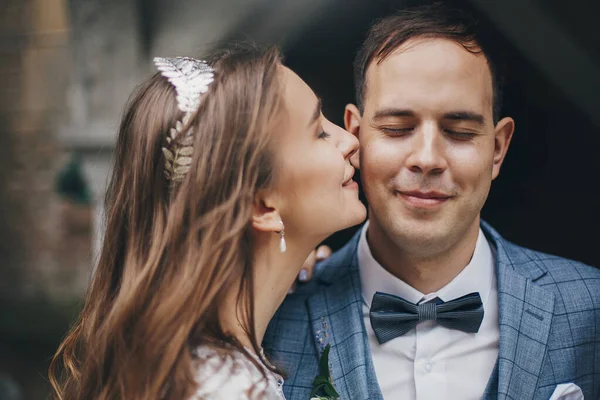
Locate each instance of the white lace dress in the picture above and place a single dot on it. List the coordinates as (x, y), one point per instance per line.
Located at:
(232, 376)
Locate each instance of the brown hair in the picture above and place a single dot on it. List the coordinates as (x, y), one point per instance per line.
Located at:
(430, 21)
(170, 255)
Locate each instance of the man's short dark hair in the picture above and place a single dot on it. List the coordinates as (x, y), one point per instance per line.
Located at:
(430, 21)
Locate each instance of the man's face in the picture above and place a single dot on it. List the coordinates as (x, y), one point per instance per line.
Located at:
(428, 145)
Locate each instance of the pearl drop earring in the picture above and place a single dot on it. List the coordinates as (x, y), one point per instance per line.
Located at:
(282, 244)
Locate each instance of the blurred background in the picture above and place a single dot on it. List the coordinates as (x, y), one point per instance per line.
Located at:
(68, 66)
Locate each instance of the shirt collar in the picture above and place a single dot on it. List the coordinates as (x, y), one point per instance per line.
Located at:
(478, 276)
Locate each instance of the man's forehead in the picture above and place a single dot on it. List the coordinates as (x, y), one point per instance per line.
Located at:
(430, 65)
(431, 51)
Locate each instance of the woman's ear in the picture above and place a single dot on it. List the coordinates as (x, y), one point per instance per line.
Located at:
(265, 217)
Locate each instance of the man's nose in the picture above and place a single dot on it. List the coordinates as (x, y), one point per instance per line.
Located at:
(427, 154)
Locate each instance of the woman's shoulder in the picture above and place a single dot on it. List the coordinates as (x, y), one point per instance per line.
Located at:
(230, 374)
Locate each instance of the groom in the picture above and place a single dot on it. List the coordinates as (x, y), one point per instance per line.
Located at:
(526, 325)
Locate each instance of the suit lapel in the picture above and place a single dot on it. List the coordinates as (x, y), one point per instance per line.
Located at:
(525, 319)
(491, 390)
(336, 319)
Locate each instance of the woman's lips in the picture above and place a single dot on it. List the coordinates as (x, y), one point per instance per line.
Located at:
(350, 185)
(348, 182)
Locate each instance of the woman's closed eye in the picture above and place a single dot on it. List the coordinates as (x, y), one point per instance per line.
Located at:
(323, 135)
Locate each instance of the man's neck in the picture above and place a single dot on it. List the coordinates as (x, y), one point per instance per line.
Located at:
(426, 272)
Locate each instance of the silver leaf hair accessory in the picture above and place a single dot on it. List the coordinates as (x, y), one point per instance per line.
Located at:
(191, 79)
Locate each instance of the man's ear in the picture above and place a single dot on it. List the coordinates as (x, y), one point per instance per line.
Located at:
(265, 217)
(503, 135)
(352, 120)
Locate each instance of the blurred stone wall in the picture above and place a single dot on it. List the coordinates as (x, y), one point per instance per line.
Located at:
(44, 239)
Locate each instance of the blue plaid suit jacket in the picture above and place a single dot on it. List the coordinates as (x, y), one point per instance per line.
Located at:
(549, 327)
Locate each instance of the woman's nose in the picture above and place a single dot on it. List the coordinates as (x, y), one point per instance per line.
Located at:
(348, 143)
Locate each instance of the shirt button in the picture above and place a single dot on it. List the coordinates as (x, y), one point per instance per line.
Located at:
(428, 367)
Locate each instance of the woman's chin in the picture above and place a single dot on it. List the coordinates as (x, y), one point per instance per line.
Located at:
(361, 214)
(339, 220)
(356, 216)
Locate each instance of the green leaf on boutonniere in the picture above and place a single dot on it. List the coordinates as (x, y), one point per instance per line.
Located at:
(324, 362)
(323, 384)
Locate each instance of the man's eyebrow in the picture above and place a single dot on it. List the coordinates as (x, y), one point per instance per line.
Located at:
(454, 115)
(317, 113)
(393, 112)
(465, 116)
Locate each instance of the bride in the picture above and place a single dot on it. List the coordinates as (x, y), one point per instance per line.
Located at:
(226, 176)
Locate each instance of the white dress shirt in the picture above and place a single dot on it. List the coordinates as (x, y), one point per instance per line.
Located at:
(430, 361)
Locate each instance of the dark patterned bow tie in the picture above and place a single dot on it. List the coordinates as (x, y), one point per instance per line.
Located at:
(392, 316)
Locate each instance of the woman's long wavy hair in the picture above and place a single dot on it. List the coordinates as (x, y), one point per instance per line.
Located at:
(170, 255)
